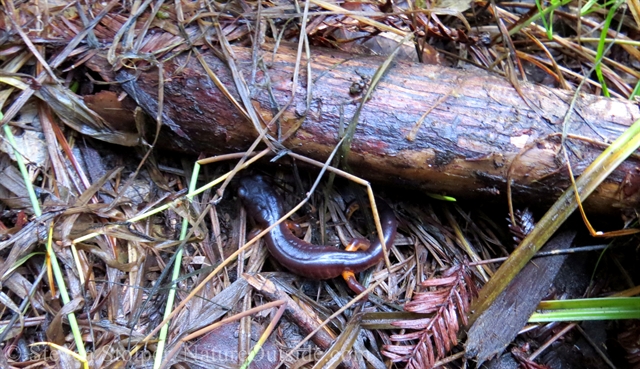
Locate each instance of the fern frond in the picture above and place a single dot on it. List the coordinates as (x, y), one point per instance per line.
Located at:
(447, 298)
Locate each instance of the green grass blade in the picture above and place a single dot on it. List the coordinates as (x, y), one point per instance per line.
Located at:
(613, 308)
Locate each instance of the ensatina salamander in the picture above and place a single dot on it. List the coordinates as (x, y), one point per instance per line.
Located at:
(264, 205)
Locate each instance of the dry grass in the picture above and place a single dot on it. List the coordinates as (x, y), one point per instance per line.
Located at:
(117, 255)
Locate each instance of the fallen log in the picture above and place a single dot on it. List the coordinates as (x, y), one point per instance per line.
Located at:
(474, 125)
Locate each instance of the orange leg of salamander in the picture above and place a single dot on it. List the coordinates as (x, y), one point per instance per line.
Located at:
(350, 277)
(293, 227)
(353, 283)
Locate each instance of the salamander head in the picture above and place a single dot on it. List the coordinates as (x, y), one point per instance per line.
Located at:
(260, 201)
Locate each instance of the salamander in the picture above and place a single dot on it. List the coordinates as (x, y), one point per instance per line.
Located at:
(264, 205)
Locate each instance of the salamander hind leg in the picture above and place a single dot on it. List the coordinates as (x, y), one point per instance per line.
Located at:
(353, 283)
(357, 244)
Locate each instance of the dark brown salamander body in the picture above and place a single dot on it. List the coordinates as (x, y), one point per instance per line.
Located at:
(264, 205)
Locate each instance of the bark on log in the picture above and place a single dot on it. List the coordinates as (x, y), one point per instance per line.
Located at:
(464, 147)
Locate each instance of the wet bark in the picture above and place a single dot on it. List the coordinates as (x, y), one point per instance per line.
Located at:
(478, 126)
(500, 323)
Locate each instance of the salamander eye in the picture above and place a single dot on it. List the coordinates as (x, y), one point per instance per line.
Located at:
(242, 191)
